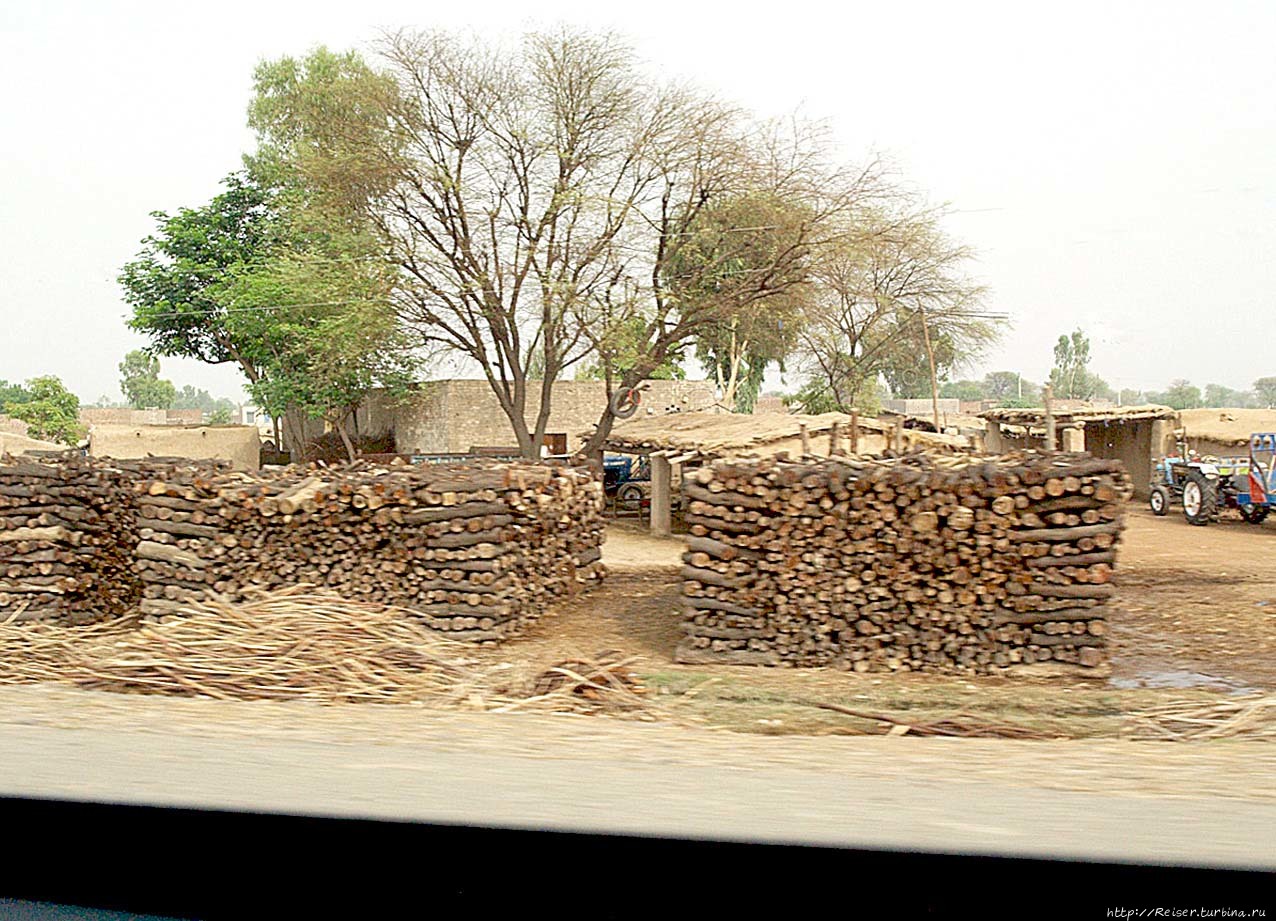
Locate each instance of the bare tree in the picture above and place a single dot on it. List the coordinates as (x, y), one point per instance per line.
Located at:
(686, 268)
(548, 202)
(515, 177)
(895, 283)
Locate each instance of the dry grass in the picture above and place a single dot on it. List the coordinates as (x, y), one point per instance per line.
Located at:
(1252, 716)
(816, 702)
(302, 645)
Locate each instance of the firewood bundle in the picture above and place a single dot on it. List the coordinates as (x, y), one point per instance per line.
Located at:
(67, 531)
(477, 550)
(922, 562)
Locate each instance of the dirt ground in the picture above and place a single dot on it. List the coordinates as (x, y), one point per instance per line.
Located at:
(1194, 620)
(1195, 600)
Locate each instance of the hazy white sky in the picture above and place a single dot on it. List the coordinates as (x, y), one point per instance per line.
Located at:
(1114, 164)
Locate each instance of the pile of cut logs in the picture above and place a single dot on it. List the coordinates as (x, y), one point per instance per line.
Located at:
(966, 564)
(478, 550)
(67, 531)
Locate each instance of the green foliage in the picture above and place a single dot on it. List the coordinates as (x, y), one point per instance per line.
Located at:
(1069, 377)
(816, 396)
(1265, 391)
(318, 121)
(1218, 395)
(52, 412)
(140, 382)
(1180, 395)
(1010, 385)
(220, 416)
(190, 398)
(621, 346)
(711, 276)
(175, 285)
(13, 393)
(964, 390)
(320, 326)
(1130, 397)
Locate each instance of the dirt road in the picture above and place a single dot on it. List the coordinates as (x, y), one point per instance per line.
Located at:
(1192, 805)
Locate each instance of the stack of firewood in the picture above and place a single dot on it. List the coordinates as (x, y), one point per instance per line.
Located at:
(477, 550)
(67, 532)
(916, 563)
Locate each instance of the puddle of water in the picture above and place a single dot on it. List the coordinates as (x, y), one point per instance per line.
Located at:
(1174, 678)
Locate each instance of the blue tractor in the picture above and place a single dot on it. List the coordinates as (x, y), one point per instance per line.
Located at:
(1204, 486)
(627, 479)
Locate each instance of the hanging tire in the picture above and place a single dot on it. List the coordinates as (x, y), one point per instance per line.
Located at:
(1200, 499)
(624, 403)
(1254, 514)
(1159, 500)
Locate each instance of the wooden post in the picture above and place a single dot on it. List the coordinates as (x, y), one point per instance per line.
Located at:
(855, 431)
(994, 443)
(934, 380)
(661, 488)
(897, 435)
(806, 441)
(1050, 430)
(834, 437)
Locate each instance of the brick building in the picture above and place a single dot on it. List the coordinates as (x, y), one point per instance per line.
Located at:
(452, 416)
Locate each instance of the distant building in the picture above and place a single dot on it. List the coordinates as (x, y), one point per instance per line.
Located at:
(923, 407)
(257, 417)
(99, 415)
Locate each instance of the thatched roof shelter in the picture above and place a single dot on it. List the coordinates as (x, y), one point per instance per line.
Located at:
(1036, 415)
(684, 436)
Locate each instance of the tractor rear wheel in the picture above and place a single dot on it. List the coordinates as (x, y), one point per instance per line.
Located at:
(1200, 498)
(1159, 500)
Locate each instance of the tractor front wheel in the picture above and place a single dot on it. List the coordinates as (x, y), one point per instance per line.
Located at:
(1159, 500)
(1200, 499)
(1254, 514)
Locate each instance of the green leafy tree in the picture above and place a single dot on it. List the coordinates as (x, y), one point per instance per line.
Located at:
(189, 397)
(1131, 397)
(175, 286)
(13, 393)
(330, 334)
(729, 242)
(141, 384)
(1006, 386)
(52, 412)
(1069, 377)
(1218, 395)
(1180, 395)
(1265, 391)
(964, 390)
(220, 416)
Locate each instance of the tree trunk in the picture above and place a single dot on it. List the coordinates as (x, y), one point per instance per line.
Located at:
(340, 426)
